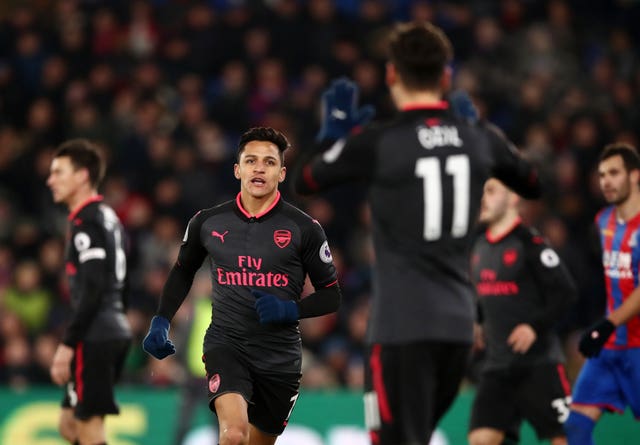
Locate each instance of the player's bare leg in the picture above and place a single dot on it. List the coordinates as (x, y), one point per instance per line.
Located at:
(560, 440)
(233, 421)
(67, 425)
(592, 412)
(91, 431)
(486, 436)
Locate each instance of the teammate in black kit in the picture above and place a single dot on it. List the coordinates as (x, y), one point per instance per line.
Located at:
(425, 170)
(92, 352)
(523, 289)
(260, 250)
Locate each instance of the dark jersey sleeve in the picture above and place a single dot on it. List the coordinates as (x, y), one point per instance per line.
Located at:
(318, 263)
(90, 242)
(556, 285)
(192, 254)
(348, 159)
(511, 168)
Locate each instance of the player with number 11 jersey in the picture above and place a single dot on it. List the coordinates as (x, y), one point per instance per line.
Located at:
(425, 171)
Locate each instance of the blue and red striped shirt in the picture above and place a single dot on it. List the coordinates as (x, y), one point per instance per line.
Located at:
(621, 261)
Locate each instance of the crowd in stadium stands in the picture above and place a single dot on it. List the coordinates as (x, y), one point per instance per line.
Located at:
(167, 87)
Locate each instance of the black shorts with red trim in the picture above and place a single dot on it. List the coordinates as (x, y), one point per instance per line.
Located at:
(271, 396)
(409, 387)
(95, 369)
(539, 394)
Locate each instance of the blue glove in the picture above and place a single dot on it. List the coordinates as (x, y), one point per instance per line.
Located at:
(462, 105)
(157, 341)
(594, 338)
(340, 114)
(272, 309)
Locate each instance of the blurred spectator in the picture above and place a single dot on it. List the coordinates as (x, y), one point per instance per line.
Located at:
(27, 298)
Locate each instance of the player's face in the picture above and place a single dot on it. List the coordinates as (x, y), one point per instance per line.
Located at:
(64, 181)
(615, 180)
(259, 169)
(495, 201)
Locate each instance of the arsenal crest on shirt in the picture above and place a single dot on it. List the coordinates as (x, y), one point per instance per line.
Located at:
(509, 257)
(282, 238)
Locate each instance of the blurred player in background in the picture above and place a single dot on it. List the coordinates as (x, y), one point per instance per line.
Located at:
(425, 170)
(260, 250)
(90, 358)
(610, 378)
(523, 290)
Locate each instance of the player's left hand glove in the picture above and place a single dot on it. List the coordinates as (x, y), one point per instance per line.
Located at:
(340, 112)
(272, 309)
(594, 338)
(462, 105)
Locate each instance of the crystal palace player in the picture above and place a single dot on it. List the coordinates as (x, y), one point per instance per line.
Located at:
(523, 290)
(260, 250)
(610, 378)
(95, 344)
(425, 170)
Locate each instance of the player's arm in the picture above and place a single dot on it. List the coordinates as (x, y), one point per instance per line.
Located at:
(317, 261)
(336, 158)
(89, 240)
(595, 337)
(192, 254)
(627, 310)
(557, 287)
(511, 168)
(345, 160)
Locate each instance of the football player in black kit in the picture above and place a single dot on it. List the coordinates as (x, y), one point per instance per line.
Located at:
(425, 170)
(90, 358)
(523, 289)
(260, 250)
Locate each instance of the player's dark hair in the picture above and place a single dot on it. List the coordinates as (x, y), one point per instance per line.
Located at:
(264, 134)
(420, 52)
(629, 154)
(84, 154)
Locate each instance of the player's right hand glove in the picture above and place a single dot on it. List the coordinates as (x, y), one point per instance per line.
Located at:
(340, 112)
(462, 105)
(594, 338)
(157, 341)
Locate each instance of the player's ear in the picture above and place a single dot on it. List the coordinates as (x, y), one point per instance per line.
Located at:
(445, 80)
(283, 174)
(84, 174)
(634, 175)
(236, 171)
(391, 75)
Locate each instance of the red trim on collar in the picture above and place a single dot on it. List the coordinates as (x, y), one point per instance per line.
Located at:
(441, 105)
(247, 214)
(494, 239)
(74, 213)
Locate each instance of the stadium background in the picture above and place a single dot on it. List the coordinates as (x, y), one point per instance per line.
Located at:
(167, 86)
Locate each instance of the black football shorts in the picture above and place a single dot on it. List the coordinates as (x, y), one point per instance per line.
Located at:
(271, 396)
(538, 394)
(95, 369)
(409, 387)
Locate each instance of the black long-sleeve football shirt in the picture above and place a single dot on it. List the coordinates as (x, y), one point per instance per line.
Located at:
(520, 279)
(272, 252)
(96, 269)
(425, 171)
